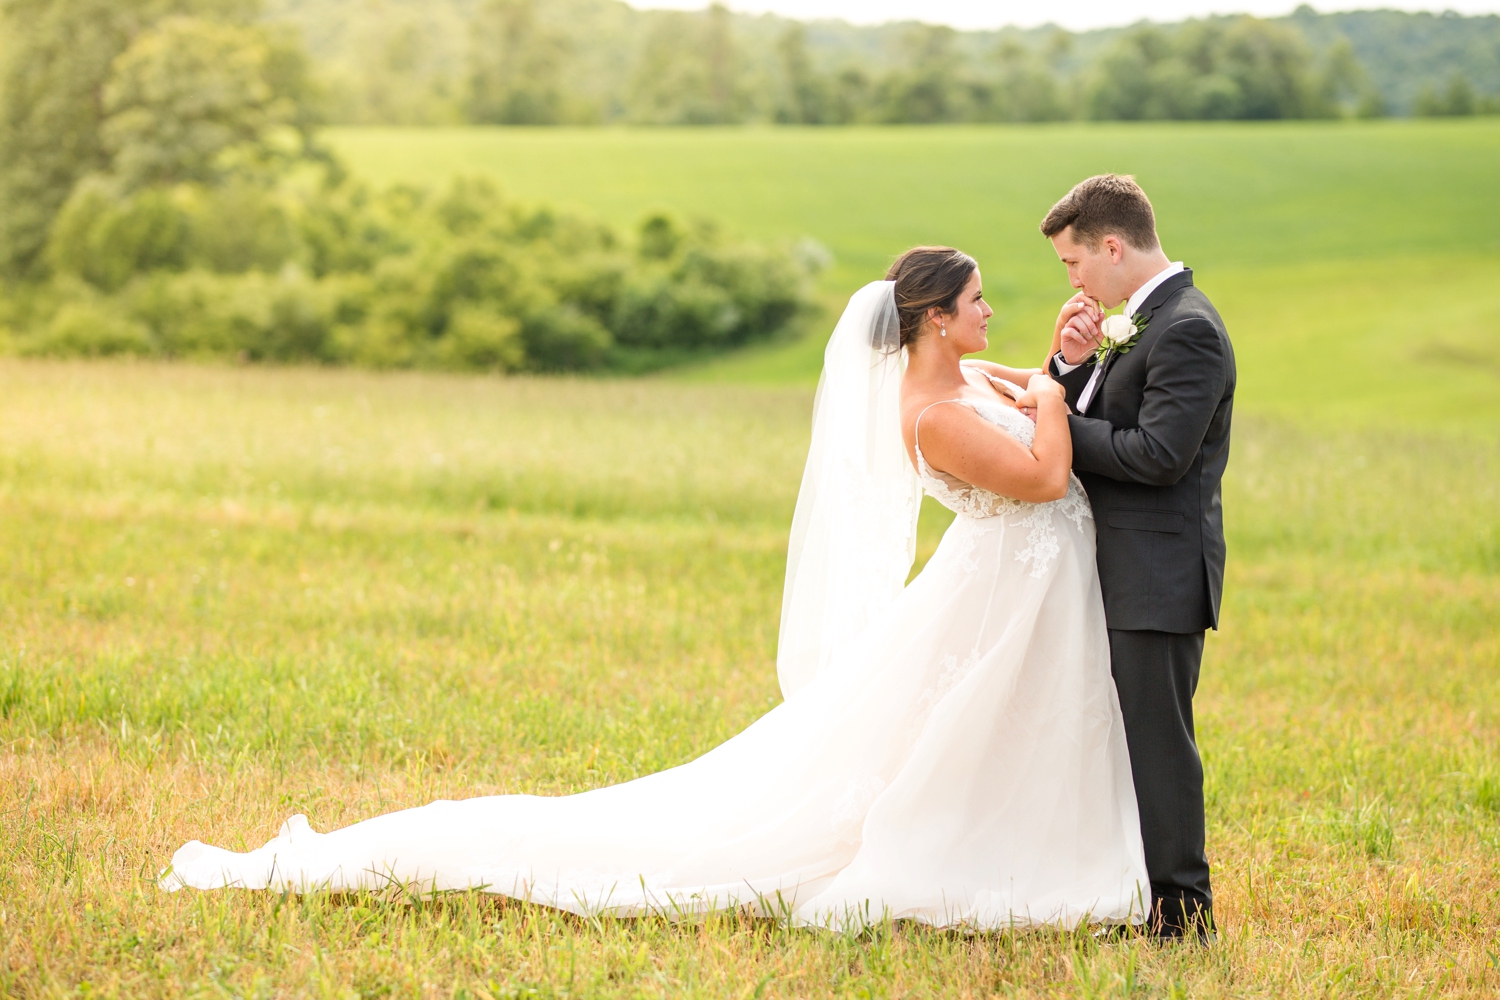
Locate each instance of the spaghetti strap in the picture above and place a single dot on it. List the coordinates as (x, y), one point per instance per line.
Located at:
(916, 431)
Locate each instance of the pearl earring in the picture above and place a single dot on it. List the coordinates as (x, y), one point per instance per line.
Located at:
(942, 331)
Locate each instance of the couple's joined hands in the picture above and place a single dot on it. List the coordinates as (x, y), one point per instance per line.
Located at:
(1039, 388)
(1078, 328)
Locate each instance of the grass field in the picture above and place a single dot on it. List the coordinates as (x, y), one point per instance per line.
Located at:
(232, 594)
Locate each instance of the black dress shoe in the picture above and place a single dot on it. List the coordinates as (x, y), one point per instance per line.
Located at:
(1181, 919)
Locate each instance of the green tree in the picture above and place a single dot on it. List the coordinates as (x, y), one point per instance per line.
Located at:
(1027, 89)
(851, 95)
(1270, 63)
(1372, 104)
(1345, 85)
(202, 119)
(399, 73)
(1428, 104)
(515, 67)
(55, 57)
(807, 100)
(926, 90)
(1133, 75)
(1456, 100)
(688, 72)
(1460, 96)
(1241, 67)
(195, 100)
(669, 77)
(723, 65)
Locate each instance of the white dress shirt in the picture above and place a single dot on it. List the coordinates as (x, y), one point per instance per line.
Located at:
(1131, 305)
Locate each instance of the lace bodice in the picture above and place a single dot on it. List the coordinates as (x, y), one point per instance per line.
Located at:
(973, 501)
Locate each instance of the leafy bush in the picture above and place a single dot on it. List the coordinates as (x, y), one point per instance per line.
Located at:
(89, 329)
(462, 279)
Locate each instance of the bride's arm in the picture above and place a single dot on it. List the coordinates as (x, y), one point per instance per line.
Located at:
(1020, 376)
(958, 441)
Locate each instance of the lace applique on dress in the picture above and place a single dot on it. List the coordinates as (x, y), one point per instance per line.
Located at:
(976, 503)
(1041, 540)
(953, 671)
(851, 807)
(1075, 506)
(949, 675)
(966, 533)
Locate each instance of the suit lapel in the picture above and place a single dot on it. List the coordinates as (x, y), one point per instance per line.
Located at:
(1109, 363)
(1182, 279)
(1158, 296)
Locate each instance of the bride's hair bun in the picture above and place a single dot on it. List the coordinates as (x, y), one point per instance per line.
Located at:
(928, 277)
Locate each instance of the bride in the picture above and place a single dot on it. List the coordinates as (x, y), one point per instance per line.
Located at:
(949, 751)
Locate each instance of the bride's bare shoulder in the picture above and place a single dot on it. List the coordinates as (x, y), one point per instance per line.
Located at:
(914, 402)
(936, 420)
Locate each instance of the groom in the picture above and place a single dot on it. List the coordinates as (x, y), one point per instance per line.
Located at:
(1150, 442)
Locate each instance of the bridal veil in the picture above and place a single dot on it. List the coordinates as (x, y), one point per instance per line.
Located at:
(854, 532)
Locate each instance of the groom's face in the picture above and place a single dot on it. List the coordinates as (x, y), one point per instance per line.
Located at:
(1095, 271)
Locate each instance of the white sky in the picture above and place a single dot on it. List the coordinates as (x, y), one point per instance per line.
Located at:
(1077, 15)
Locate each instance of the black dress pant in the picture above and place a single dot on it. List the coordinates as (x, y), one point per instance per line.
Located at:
(1156, 674)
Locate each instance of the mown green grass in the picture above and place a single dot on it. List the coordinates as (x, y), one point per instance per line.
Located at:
(1357, 264)
(231, 595)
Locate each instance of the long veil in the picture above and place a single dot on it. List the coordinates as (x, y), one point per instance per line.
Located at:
(855, 529)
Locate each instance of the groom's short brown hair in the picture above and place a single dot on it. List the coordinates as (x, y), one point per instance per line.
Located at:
(1101, 206)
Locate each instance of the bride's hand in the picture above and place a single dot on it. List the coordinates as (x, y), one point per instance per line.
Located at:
(1077, 331)
(1038, 388)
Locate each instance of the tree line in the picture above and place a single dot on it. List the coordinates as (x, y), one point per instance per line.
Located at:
(537, 62)
(690, 72)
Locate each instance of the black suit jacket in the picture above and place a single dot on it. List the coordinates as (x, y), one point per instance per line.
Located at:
(1151, 451)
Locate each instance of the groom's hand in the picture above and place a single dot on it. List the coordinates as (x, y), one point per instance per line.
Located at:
(1078, 328)
(1039, 386)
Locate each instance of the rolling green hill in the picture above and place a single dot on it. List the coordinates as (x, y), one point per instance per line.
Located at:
(1356, 264)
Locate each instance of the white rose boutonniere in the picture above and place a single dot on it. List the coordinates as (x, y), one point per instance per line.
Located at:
(1117, 335)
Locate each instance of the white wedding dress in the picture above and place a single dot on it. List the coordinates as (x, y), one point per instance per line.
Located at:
(958, 758)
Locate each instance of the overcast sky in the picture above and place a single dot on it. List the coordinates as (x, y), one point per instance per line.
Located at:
(1077, 15)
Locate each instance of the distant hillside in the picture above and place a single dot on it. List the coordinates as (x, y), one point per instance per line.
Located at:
(413, 60)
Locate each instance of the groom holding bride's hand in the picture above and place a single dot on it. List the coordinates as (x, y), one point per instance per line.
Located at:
(1151, 392)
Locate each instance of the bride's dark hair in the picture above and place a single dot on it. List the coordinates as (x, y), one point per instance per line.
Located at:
(926, 277)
